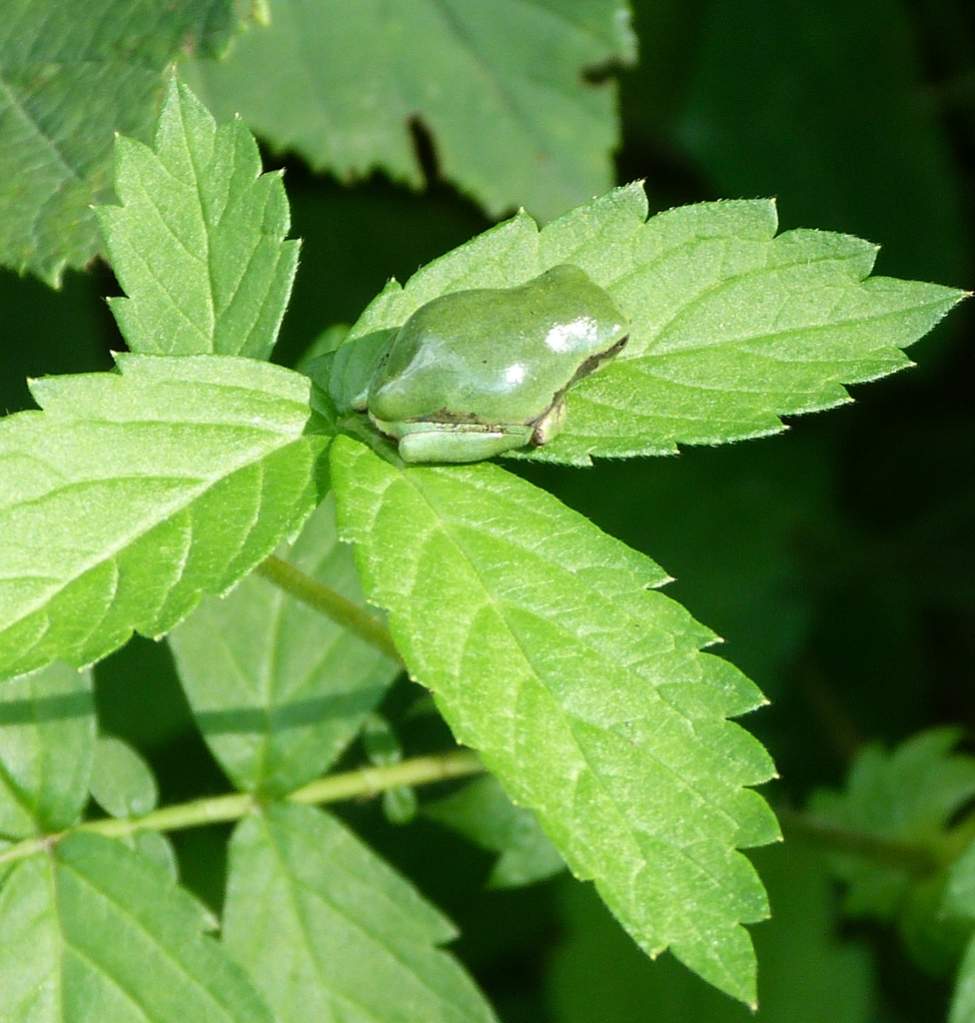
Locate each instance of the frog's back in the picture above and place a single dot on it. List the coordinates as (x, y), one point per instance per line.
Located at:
(496, 355)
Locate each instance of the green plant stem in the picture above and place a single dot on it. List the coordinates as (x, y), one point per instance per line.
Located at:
(330, 603)
(362, 783)
(915, 857)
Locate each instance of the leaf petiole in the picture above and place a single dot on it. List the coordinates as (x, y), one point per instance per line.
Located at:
(330, 603)
(362, 783)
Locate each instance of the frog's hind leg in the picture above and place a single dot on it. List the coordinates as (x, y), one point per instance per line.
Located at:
(460, 446)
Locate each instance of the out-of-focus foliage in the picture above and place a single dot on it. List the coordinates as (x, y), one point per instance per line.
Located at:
(47, 736)
(67, 84)
(501, 87)
(277, 691)
(908, 795)
(484, 814)
(920, 873)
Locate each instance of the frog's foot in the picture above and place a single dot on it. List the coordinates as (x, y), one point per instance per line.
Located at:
(460, 445)
(549, 426)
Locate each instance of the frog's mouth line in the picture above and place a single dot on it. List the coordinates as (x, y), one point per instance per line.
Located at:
(594, 362)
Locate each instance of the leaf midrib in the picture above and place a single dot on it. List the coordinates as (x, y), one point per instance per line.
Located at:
(296, 884)
(596, 775)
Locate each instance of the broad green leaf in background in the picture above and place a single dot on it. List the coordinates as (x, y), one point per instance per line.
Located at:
(908, 794)
(122, 783)
(278, 690)
(47, 740)
(66, 84)
(806, 974)
(731, 326)
(331, 933)
(198, 240)
(94, 932)
(585, 693)
(135, 492)
(501, 87)
(483, 813)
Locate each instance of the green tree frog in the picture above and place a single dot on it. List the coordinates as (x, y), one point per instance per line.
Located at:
(474, 373)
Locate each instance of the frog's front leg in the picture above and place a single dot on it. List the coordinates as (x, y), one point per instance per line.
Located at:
(456, 442)
(549, 426)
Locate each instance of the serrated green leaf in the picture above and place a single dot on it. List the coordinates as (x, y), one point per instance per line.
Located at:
(133, 493)
(277, 690)
(96, 932)
(907, 794)
(483, 813)
(501, 87)
(586, 694)
(47, 739)
(122, 783)
(731, 325)
(806, 975)
(331, 933)
(66, 84)
(198, 240)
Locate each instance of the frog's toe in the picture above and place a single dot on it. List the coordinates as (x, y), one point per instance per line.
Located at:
(549, 426)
